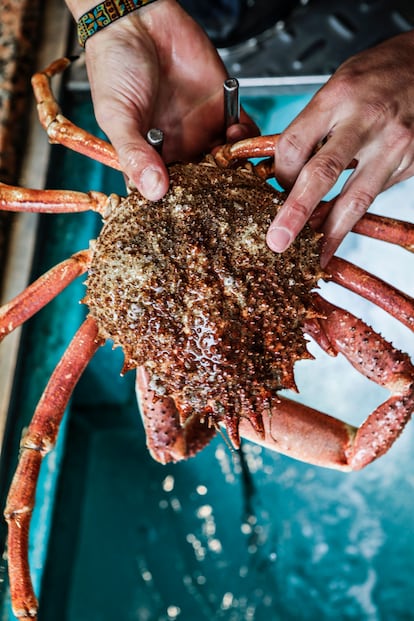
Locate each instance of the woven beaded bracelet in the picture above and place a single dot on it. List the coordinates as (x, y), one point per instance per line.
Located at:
(104, 14)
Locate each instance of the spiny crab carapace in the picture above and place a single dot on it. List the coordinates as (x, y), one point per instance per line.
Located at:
(210, 318)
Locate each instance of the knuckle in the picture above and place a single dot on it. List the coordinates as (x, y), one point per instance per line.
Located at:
(290, 148)
(341, 87)
(359, 201)
(128, 154)
(298, 213)
(378, 111)
(325, 167)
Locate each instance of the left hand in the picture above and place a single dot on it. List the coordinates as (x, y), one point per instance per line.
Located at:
(366, 112)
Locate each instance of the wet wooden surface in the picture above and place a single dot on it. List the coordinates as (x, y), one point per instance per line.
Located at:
(32, 34)
(19, 37)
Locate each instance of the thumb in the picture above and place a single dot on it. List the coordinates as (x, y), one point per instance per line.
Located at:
(142, 165)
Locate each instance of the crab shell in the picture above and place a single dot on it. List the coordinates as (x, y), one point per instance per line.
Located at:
(188, 288)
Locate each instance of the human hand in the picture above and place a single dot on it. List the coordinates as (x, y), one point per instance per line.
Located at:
(366, 112)
(156, 68)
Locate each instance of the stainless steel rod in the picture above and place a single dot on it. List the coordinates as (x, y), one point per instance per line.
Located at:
(231, 102)
(155, 137)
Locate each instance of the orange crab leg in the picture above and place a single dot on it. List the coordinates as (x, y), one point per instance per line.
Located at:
(38, 440)
(167, 438)
(258, 146)
(386, 229)
(40, 292)
(375, 358)
(383, 228)
(395, 302)
(17, 199)
(293, 429)
(59, 129)
(309, 435)
(303, 433)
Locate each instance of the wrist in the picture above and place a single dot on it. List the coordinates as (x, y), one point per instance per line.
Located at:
(93, 18)
(79, 7)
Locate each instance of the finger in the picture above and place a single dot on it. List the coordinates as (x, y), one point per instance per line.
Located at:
(372, 176)
(313, 182)
(245, 128)
(341, 220)
(142, 164)
(292, 151)
(403, 171)
(240, 131)
(298, 141)
(356, 197)
(319, 214)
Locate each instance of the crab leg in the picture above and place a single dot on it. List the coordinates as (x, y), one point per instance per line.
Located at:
(303, 433)
(258, 146)
(59, 129)
(38, 440)
(168, 439)
(395, 302)
(375, 358)
(390, 230)
(309, 435)
(52, 201)
(40, 292)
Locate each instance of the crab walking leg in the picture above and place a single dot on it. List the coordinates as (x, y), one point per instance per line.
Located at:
(167, 438)
(52, 201)
(59, 129)
(37, 442)
(42, 291)
(390, 230)
(395, 302)
(259, 146)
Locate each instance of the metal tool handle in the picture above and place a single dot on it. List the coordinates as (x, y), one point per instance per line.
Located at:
(231, 102)
(155, 137)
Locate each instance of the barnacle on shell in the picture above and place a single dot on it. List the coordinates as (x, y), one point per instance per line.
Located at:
(188, 288)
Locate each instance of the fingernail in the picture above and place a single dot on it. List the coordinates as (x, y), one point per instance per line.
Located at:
(278, 239)
(150, 184)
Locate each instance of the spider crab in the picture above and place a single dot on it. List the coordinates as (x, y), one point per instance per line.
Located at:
(213, 326)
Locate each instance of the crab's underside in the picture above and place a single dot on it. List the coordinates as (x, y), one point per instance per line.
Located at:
(212, 320)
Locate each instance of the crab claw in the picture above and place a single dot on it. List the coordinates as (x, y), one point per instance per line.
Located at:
(168, 438)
